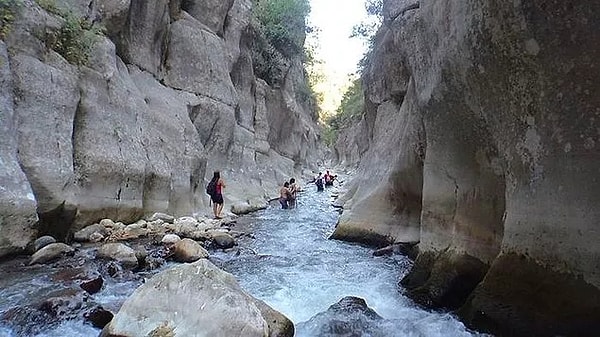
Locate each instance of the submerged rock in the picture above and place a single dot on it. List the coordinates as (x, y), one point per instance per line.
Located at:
(99, 317)
(222, 240)
(349, 317)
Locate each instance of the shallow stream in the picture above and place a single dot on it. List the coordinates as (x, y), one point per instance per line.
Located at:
(289, 263)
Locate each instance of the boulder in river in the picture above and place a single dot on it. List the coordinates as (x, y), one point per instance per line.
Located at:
(51, 252)
(123, 254)
(349, 317)
(196, 299)
(188, 250)
(40, 243)
(222, 240)
(84, 234)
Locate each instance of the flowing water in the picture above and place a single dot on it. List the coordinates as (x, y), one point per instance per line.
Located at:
(293, 266)
(289, 263)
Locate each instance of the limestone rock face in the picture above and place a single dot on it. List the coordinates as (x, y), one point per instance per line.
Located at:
(165, 98)
(17, 201)
(195, 299)
(481, 128)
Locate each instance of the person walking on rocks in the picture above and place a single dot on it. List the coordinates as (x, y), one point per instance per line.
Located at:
(217, 194)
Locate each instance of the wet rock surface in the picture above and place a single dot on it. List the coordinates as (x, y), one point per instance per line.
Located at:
(62, 282)
(349, 317)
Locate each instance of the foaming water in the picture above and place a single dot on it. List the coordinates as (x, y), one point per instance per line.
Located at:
(293, 266)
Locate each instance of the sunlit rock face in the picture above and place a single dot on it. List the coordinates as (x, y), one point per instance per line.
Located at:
(481, 131)
(167, 96)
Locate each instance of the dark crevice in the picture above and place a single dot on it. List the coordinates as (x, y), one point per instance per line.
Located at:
(404, 10)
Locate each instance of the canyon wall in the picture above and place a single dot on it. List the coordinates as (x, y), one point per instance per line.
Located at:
(480, 142)
(167, 95)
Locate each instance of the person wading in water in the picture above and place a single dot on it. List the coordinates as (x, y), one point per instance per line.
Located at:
(293, 187)
(284, 195)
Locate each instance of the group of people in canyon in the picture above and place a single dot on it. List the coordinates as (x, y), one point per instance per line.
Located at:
(288, 193)
(322, 181)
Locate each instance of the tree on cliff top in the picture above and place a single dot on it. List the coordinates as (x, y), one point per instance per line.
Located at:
(280, 29)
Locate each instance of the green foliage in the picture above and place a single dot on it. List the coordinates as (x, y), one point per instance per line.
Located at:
(75, 38)
(329, 135)
(8, 11)
(374, 7)
(284, 24)
(279, 33)
(367, 29)
(49, 6)
(351, 109)
(268, 62)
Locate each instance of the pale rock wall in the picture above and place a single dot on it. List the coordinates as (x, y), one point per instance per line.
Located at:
(168, 96)
(16, 196)
(506, 96)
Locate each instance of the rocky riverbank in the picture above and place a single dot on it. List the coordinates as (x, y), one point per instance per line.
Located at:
(146, 253)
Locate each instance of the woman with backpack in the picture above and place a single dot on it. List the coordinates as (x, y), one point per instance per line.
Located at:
(215, 190)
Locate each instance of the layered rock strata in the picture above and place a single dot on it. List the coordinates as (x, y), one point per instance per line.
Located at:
(167, 96)
(480, 141)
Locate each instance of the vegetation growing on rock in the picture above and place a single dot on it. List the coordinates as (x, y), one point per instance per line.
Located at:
(8, 11)
(280, 29)
(350, 111)
(75, 38)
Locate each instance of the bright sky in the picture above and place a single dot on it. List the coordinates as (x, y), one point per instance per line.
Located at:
(340, 54)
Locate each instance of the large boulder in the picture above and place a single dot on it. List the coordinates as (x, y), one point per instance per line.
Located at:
(195, 299)
(143, 40)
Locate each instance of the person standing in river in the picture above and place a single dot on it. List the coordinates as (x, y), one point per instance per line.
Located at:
(217, 196)
(293, 187)
(284, 195)
(319, 182)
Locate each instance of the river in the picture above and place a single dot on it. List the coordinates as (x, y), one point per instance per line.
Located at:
(293, 266)
(289, 263)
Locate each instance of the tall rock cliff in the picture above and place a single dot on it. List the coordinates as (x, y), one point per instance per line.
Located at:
(166, 96)
(481, 142)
